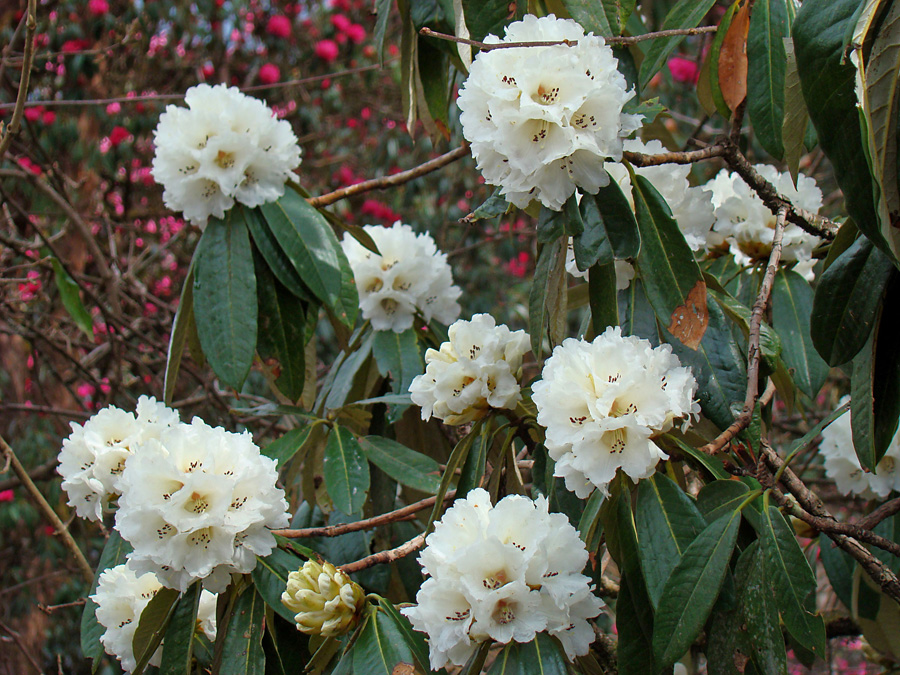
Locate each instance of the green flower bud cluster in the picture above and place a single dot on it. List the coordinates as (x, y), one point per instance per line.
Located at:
(325, 600)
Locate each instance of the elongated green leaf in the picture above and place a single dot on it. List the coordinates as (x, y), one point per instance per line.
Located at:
(398, 354)
(635, 649)
(152, 627)
(455, 461)
(610, 229)
(692, 588)
(405, 466)
(493, 206)
(685, 14)
(282, 332)
(548, 266)
(829, 81)
(636, 314)
(672, 279)
(225, 305)
(381, 646)
(590, 527)
(721, 497)
(593, 17)
(71, 298)
(792, 303)
(667, 521)
(766, 72)
(242, 651)
(282, 449)
(183, 324)
(275, 258)
(383, 11)
(307, 240)
(485, 17)
(178, 644)
(346, 471)
(715, 90)
(413, 639)
(270, 577)
(603, 298)
(795, 583)
(760, 614)
(713, 465)
(336, 389)
(541, 656)
(846, 301)
(472, 473)
(114, 553)
(796, 116)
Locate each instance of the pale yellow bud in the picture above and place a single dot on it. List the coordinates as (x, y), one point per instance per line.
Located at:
(325, 600)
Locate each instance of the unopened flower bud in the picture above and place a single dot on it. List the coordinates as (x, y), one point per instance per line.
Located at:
(326, 601)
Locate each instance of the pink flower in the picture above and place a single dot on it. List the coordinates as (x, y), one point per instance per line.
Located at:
(341, 22)
(30, 166)
(48, 118)
(6, 496)
(327, 50)
(118, 135)
(34, 114)
(208, 70)
(98, 7)
(356, 33)
(85, 390)
(683, 70)
(70, 46)
(343, 5)
(269, 73)
(113, 108)
(279, 26)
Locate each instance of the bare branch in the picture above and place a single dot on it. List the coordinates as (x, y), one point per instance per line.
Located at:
(390, 555)
(617, 40)
(27, 61)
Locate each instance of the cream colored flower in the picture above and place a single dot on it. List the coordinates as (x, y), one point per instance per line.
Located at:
(325, 600)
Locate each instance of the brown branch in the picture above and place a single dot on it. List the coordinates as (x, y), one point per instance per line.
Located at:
(24, 80)
(14, 636)
(617, 40)
(48, 511)
(390, 555)
(884, 511)
(390, 181)
(367, 524)
(759, 309)
(46, 471)
(687, 157)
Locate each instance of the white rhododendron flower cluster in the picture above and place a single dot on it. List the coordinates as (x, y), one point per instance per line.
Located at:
(747, 225)
(478, 369)
(224, 147)
(602, 402)
(541, 120)
(93, 456)
(121, 596)
(325, 601)
(504, 572)
(197, 504)
(843, 467)
(410, 275)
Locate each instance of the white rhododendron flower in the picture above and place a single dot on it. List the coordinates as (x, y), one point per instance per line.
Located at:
(541, 120)
(197, 504)
(602, 402)
(478, 369)
(843, 467)
(224, 147)
(747, 225)
(93, 456)
(503, 573)
(410, 275)
(121, 596)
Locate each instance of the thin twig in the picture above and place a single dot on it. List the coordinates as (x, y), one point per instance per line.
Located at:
(46, 471)
(15, 638)
(48, 511)
(390, 181)
(617, 40)
(686, 157)
(27, 61)
(390, 555)
(884, 511)
(367, 524)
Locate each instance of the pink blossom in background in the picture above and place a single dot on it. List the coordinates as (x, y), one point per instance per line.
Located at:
(6, 496)
(48, 117)
(356, 33)
(518, 266)
(30, 166)
(683, 70)
(113, 108)
(327, 50)
(207, 71)
(98, 7)
(341, 22)
(85, 390)
(34, 114)
(70, 46)
(269, 73)
(118, 135)
(378, 211)
(279, 26)
(343, 5)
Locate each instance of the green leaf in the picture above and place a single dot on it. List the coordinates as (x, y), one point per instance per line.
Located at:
(242, 651)
(383, 11)
(69, 293)
(829, 81)
(493, 206)
(177, 649)
(398, 354)
(405, 466)
(593, 16)
(152, 627)
(721, 497)
(685, 14)
(792, 303)
(433, 74)
(667, 521)
(795, 583)
(413, 639)
(766, 73)
(282, 449)
(346, 471)
(538, 310)
(541, 656)
(270, 577)
(759, 611)
(610, 229)
(381, 646)
(603, 298)
(671, 276)
(275, 258)
(282, 332)
(181, 327)
(636, 314)
(346, 368)
(225, 306)
(635, 648)
(589, 526)
(692, 588)
(307, 240)
(796, 116)
(846, 302)
(114, 553)
(485, 17)
(472, 473)
(457, 457)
